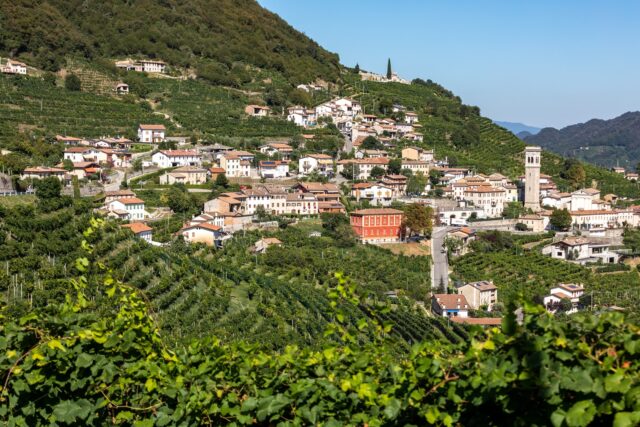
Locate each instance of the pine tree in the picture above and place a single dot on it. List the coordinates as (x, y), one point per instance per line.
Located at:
(389, 68)
(357, 68)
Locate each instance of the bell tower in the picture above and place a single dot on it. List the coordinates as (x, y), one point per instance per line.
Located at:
(532, 156)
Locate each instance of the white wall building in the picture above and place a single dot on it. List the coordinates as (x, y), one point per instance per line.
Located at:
(130, 208)
(173, 158)
(152, 134)
(274, 168)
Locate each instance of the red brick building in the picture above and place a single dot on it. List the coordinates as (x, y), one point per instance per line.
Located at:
(377, 225)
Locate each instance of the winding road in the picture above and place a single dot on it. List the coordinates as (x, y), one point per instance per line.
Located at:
(440, 265)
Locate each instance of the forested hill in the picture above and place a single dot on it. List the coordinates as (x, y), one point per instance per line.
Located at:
(186, 33)
(603, 142)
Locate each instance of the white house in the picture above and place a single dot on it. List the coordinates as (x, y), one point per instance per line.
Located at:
(203, 232)
(416, 166)
(411, 117)
(564, 292)
(582, 250)
(129, 208)
(152, 134)
(477, 294)
(362, 168)
(85, 154)
(450, 305)
(40, 172)
(277, 148)
(375, 192)
(322, 163)
(152, 66)
(257, 110)
(141, 230)
(189, 175)
(274, 168)
(14, 67)
(489, 198)
(173, 158)
(236, 163)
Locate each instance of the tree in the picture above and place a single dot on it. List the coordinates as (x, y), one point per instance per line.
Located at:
(576, 175)
(394, 167)
(371, 143)
(357, 68)
(178, 199)
(48, 188)
(350, 171)
(434, 177)
(513, 210)
(300, 97)
(638, 167)
(67, 164)
(631, 239)
(137, 164)
(376, 172)
(560, 219)
(416, 184)
(389, 72)
(418, 219)
(72, 82)
(221, 180)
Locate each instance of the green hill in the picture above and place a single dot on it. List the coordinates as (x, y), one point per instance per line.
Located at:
(213, 36)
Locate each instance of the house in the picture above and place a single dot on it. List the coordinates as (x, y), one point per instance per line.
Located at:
(257, 110)
(40, 172)
(361, 168)
(479, 294)
(173, 158)
(534, 222)
(398, 183)
(601, 219)
(417, 154)
(381, 225)
(110, 196)
(116, 158)
(263, 244)
(214, 172)
(321, 163)
(450, 305)
(68, 140)
(490, 199)
(273, 168)
(464, 235)
(631, 176)
(374, 192)
(564, 294)
(416, 166)
(129, 208)
(14, 67)
(204, 232)
(277, 148)
(327, 195)
(582, 250)
(84, 169)
(141, 230)
(85, 154)
(618, 169)
(152, 134)
(459, 215)
(371, 154)
(188, 175)
(301, 116)
(152, 66)
(331, 207)
(411, 117)
(121, 88)
(236, 163)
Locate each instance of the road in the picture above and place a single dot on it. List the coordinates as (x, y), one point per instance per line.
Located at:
(440, 267)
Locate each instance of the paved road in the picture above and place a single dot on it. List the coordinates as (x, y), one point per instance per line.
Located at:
(440, 268)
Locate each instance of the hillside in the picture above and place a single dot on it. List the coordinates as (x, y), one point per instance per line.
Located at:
(208, 36)
(518, 128)
(603, 142)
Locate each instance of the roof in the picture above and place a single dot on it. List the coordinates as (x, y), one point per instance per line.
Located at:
(362, 185)
(280, 146)
(270, 241)
(484, 189)
(178, 153)
(130, 201)
(119, 193)
(378, 211)
(205, 225)
(319, 186)
(77, 149)
(571, 287)
(152, 127)
(451, 301)
(262, 107)
(272, 163)
(481, 321)
(43, 169)
(483, 285)
(67, 138)
(216, 170)
(591, 191)
(319, 156)
(137, 227)
(188, 169)
(395, 177)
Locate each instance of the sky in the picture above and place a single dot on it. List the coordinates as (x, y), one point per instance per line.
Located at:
(543, 63)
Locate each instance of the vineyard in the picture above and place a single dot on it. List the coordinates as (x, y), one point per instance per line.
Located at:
(274, 299)
(33, 106)
(530, 275)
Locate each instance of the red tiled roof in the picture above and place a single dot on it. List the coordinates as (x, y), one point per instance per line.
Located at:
(137, 227)
(377, 211)
(448, 301)
(131, 201)
(205, 225)
(152, 127)
(43, 169)
(178, 153)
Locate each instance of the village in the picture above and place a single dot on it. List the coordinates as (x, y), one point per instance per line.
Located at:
(383, 166)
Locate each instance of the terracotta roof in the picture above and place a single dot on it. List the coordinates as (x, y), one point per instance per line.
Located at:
(216, 170)
(205, 225)
(482, 321)
(43, 169)
(137, 227)
(130, 201)
(77, 149)
(120, 193)
(377, 211)
(483, 285)
(270, 241)
(362, 185)
(484, 189)
(319, 156)
(152, 127)
(451, 301)
(179, 153)
(319, 186)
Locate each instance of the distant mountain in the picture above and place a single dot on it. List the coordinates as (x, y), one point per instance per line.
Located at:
(516, 128)
(603, 142)
(522, 135)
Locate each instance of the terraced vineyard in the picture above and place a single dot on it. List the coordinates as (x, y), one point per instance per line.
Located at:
(530, 275)
(32, 106)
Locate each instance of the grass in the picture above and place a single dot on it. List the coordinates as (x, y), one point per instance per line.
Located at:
(12, 201)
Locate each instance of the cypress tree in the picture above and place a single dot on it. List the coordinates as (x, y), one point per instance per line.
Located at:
(357, 68)
(389, 68)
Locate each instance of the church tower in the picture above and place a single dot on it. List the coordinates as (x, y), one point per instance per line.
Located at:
(532, 156)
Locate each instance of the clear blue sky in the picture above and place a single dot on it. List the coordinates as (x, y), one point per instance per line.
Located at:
(541, 62)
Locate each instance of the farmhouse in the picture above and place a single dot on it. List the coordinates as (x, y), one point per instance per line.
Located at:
(152, 134)
(204, 232)
(14, 67)
(141, 230)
